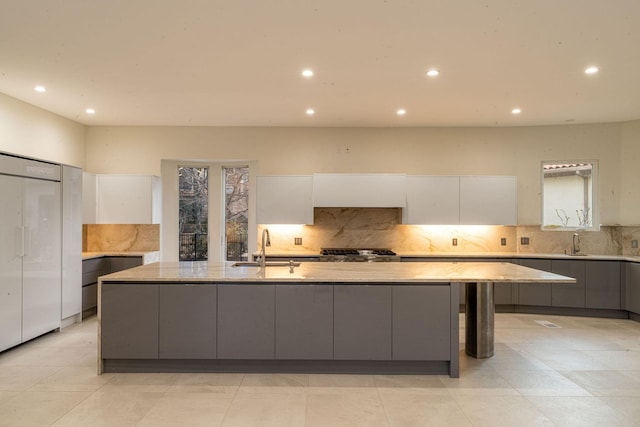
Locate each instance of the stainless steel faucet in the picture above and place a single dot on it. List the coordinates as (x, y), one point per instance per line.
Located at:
(576, 244)
(266, 241)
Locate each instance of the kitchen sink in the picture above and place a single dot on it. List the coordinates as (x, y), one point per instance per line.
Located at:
(267, 264)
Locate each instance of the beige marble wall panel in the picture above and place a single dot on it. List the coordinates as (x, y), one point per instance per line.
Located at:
(382, 228)
(121, 237)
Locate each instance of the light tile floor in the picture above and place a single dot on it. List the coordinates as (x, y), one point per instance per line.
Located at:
(585, 373)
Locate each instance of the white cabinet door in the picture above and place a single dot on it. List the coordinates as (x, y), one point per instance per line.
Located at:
(71, 241)
(284, 200)
(488, 200)
(41, 264)
(432, 200)
(89, 198)
(128, 199)
(10, 262)
(359, 190)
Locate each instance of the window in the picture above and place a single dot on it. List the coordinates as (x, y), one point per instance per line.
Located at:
(569, 195)
(236, 218)
(193, 202)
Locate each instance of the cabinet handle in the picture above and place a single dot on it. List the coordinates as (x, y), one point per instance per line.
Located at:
(26, 239)
(18, 240)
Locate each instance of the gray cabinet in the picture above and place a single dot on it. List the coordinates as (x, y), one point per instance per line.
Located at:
(603, 284)
(246, 321)
(418, 331)
(96, 267)
(304, 322)
(362, 322)
(569, 294)
(535, 293)
(187, 322)
(129, 321)
(632, 285)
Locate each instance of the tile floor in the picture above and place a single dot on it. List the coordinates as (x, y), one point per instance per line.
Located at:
(585, 373)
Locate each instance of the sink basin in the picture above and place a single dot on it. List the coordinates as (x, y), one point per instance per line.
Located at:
(268, 264)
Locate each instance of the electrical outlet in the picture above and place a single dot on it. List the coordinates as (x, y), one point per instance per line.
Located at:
(297, 241)
(634, 244)
(454, 241)
(503, 241)
(524, 240)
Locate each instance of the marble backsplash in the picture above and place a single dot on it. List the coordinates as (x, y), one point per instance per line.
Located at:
(120, 237)
(382, 228)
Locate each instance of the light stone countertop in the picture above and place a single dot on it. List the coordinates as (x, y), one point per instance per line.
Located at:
(147, 257)
(316, 272)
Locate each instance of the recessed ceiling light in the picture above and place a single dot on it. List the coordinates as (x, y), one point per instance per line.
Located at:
(401, 112)
(307, 73)
(516, 111)
(433, 72)
(591, 70)
(40, 89)
(310, 111)
(90, 111)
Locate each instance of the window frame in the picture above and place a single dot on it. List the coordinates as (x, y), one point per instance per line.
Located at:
(595, 199)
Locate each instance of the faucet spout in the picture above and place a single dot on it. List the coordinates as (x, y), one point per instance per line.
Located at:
(266, 241)
(575, 248)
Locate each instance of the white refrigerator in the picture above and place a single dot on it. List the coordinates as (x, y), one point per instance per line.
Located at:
(30, 258)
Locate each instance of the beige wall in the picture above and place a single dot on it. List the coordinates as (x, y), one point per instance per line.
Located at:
(33, 132)
(438, 151)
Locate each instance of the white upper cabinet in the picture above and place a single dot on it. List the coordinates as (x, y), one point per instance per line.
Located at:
(284, 200)
(359, 190)
(128, 199)
(488, 200)
(432, 200)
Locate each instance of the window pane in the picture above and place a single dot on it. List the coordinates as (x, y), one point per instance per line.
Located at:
(194, 213)
(568, 194)
(236, 213)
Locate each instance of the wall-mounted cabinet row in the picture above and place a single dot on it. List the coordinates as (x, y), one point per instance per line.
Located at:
(473, 200)
(283, 322)
(121, 199)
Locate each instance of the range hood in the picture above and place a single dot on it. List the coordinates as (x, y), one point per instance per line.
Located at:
(359, 190)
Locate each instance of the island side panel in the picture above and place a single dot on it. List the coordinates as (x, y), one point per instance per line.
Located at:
(304, 322)
(362, 322)
(187, 321)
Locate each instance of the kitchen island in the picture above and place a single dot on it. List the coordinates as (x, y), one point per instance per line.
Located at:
(315, 317)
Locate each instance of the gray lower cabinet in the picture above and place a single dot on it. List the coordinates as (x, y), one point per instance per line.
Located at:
(304, 322)
(129, 321)
(569, 294)
(119, 263)
(603, 284)
(362, 322)
(187, 321)
(418, 330)
(246, 321)
(632, 286)
(535, 293)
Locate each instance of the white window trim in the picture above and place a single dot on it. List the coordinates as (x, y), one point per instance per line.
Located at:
(170, 207)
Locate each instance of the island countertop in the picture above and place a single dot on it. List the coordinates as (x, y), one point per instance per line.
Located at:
(315, 272)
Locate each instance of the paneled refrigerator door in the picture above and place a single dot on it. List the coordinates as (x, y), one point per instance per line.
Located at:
(10, 261)
(41, 283)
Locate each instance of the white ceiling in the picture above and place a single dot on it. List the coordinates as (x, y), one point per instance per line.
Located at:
(238, 62)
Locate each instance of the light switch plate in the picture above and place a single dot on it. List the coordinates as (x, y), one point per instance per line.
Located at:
(454, 242)
(297, 241)
(503, 241)
(524, 240)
